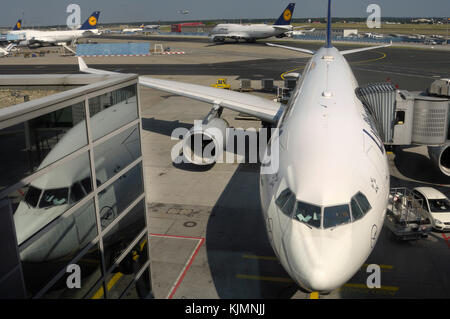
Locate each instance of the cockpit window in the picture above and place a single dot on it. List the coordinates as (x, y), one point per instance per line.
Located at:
(357, 213)
(32, 196)
(283, 197)
(54, 197)
(308, 214)
(363, 202)
(336, 215)
(286, 202)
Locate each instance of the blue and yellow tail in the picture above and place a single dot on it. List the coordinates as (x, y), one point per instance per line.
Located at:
(18, 25)
(286, 16)
(91, 22)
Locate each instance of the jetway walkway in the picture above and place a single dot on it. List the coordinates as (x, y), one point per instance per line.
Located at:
(404, 118)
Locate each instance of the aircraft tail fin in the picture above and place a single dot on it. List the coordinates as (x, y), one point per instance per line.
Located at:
(286, 16)
(18, 25)
(91, 22)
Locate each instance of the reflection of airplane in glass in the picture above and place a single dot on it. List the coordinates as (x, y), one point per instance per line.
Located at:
(53, 193)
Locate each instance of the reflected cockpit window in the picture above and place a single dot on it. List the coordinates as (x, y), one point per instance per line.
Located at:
(76, 192)
(308, 214)
(32, 196)
(54, 197)
(336, 215)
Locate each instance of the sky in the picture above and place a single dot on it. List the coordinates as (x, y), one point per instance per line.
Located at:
(53, 12)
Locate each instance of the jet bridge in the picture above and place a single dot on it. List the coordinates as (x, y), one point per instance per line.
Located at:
(412, 118)
(404, 117)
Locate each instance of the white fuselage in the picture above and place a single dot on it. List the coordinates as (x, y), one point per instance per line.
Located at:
(247, 31)
(52, 37)
(329, 151)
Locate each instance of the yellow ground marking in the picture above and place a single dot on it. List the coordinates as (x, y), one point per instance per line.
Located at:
(363, 286)
(314, 295)
(117, 275)
(385, 267)
(383, 55)
(110, 284)
(264, 278)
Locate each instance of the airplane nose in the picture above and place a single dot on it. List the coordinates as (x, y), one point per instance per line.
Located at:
(317, 263)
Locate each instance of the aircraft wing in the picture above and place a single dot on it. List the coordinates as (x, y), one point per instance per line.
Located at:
(256, 106)
(365, 49)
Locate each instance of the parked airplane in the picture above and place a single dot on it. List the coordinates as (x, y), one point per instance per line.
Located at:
(133, 30)
(252, 32)
(142, 28)
(325, 206)
(48, 38)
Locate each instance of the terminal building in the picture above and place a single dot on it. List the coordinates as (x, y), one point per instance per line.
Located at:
(73, 220)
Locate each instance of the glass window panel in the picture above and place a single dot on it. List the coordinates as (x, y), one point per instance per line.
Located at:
(116, 153)
(283, 197)
(124, 273)
(49, 196)
(356, 210)
(289, 206)
(141, 288)
(112, 110)
(123, 233)
(97, 292)
(39, 142)
(90, 273)
(117, 197)
(308, 214)
(44, 258)
(363, 202)
(336, 215)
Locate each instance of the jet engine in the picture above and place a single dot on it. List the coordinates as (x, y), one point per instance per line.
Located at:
(205, 141)
(440, 155)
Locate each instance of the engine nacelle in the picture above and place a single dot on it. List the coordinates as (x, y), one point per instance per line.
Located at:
(205, 142)
(440, 155)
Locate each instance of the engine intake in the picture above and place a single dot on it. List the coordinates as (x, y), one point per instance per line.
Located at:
(205, 142)
(440, 155)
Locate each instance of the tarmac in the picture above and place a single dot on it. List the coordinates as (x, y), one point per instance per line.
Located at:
(207, 235)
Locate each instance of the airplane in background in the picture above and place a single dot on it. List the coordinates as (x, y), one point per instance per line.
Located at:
(252, 32)
(133, 30)
(142, 28)
(324, 207)
(299, 32)
(37, 38)
(183, 11)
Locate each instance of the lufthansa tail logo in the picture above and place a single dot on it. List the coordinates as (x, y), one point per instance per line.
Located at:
(18, 25)
(287, 15)
(92, 21)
